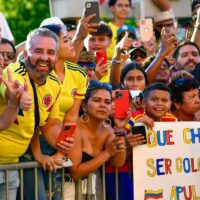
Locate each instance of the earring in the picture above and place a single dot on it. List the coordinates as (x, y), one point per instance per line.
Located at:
(85, 118)
(107, 123)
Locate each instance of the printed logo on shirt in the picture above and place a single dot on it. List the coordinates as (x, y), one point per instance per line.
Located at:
(73, 93)
(47, 100)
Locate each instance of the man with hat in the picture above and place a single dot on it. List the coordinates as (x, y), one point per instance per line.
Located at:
(164, 19)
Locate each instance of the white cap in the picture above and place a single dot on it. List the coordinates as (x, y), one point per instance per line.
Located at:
(52, 20)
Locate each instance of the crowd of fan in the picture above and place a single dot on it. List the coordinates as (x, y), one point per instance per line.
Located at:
(53, 80)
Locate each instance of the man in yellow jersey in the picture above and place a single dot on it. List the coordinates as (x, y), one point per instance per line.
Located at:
(39, 60)
(120, 10)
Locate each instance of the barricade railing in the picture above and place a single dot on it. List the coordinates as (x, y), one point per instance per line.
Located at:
(78, 184)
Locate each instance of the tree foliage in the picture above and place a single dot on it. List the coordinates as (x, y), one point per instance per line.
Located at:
(24, 15)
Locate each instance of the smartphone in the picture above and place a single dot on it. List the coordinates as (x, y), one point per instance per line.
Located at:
(100, 55)
(181, 33)
(91, 8)
(146, 29)
(66, 162)
(170, 31)
(121, 101)
(67, 131)
(139, 129)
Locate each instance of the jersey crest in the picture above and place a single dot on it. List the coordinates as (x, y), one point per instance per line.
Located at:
(46, 101)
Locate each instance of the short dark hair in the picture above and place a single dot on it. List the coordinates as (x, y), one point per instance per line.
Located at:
(181, 85)
(157, 86)
(103, 29)
(132, 66)
(194, 3)
(113, 2)
(184, 43)
(6, 41)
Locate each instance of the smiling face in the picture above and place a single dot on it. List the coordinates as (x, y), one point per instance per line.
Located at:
(40, 58)
(188, 58)
(121, 9)
(163, 73)
(98, 105)
(157, 104)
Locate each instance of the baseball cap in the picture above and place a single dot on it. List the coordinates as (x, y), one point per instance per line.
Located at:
(165, 17)
(126, 28)
(142, 50)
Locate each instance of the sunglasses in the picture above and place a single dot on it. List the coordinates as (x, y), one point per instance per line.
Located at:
(8, 55)
(137, 55)
(87, 64)
(97, 84)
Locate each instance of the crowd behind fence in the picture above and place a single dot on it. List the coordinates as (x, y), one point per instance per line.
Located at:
(78, 184)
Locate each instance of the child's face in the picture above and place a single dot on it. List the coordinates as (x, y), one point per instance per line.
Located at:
(157, 104)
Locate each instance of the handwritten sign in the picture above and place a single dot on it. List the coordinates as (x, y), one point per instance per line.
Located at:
(168, 166)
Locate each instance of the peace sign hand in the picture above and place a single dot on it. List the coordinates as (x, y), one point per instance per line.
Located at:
(14, 89)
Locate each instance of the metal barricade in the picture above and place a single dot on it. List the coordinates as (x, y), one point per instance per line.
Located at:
(78, 184)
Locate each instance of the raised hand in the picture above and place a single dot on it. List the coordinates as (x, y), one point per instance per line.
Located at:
(14, 89)
(26, 98)
(84, 26)
(124, 44)
(168, 41)
(101, 69)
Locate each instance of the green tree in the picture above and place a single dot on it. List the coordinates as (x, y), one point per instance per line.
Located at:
(24, 15)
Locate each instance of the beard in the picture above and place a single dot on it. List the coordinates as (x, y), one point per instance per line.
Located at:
(37, 76)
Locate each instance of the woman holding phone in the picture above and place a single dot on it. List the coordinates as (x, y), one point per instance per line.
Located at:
(95, 141)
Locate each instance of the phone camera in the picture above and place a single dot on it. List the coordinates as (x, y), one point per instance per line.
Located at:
(88, 5)
(167, 30)
(118, 95)
(66, 127)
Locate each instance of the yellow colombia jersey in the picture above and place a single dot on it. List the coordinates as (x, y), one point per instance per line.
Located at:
(15, 140)
(73, 87)
(111, 49)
